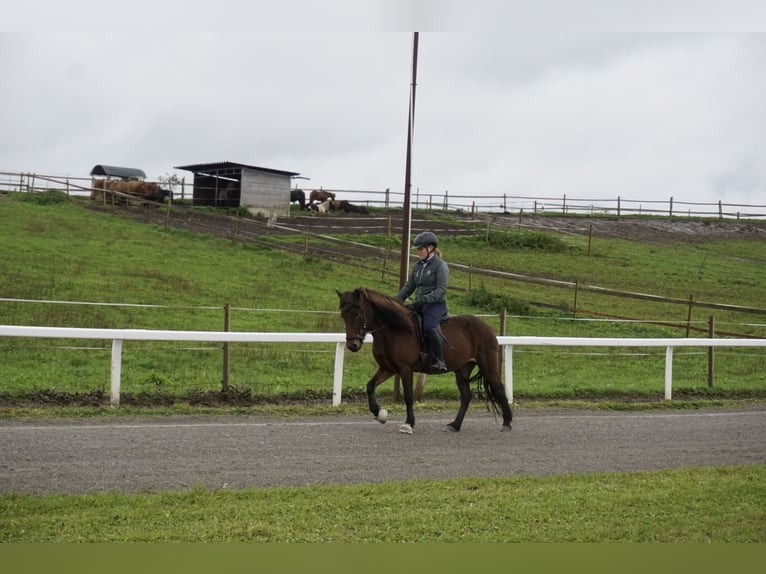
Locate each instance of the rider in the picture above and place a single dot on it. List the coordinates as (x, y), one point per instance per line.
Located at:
(428, 279)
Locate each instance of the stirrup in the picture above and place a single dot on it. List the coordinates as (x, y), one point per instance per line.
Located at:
(439, 367)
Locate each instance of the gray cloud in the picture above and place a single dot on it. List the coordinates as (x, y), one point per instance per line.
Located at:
(641, 115)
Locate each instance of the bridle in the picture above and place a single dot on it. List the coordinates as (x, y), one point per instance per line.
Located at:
(364, 330)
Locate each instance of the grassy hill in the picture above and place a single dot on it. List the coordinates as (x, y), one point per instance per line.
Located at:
(138, 275)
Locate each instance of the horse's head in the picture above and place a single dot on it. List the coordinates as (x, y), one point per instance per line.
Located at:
(353, 314)
(367, 311)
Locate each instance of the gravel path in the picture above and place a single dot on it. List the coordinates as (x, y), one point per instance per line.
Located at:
(152, 453)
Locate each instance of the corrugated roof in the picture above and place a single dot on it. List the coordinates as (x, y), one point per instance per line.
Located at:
(221, 165)
(115, 171)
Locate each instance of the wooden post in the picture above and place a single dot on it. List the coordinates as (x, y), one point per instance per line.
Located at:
(226, 327)
(590, 237)
(574, 306)
(618, 206)
(671, 207)
(503, 327)
(689, 315)
(711, 353)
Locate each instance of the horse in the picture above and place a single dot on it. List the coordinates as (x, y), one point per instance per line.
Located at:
(348, 207)
(320, 195)
(298, 195)
(323, 207)
(468, 342)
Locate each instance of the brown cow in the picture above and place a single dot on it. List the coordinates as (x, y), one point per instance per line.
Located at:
(147, 190)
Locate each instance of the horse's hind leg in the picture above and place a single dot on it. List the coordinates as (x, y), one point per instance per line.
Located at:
(464, 389)
(501, 399)
(406, 377)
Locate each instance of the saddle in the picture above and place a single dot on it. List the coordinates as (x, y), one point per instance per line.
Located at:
(418, 318)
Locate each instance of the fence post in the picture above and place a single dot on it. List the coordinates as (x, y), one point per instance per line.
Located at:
(508, 372)
(226, 348)
(689, 315)
(116, 371)
(720, 210)
(590, 237)
(711, 353)
(337, 378)
(574, 305)
(671, 207)
(618, 206)
(668, 373)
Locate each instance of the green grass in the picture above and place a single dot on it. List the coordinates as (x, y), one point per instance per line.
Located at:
(54, 250)
(723, 504)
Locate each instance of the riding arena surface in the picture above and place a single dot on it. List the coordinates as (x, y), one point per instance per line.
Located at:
(150, 454)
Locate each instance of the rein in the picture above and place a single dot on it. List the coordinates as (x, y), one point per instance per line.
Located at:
(363, 332)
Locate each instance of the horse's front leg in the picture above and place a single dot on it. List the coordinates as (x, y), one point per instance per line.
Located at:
(381, 415)
(406, 377)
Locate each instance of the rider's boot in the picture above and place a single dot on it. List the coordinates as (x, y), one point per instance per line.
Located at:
(437, 353)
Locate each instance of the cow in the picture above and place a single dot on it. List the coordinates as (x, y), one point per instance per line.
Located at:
(145, 190)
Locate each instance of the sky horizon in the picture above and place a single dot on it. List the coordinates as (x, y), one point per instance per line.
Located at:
(637, 115)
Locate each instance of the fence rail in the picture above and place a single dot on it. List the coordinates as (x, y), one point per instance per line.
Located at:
(504, 202)
(117, 336)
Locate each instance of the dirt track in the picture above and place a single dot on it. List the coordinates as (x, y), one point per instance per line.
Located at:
(647, 229)
(152, 454)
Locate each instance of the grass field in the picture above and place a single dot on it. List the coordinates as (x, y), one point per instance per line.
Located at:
(702, 505)
(147, 276)
(155, 277)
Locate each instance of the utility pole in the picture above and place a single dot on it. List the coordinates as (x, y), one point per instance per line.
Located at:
(406, 208)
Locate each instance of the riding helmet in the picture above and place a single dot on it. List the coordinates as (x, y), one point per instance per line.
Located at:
(426, 238)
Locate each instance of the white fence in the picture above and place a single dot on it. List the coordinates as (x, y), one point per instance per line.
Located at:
(117, 336)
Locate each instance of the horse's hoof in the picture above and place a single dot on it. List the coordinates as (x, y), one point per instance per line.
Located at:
(382, 416)
(405, 429)
(450, 428)
(505, 428)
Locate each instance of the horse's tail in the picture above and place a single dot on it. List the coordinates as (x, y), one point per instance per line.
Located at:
(484, 392)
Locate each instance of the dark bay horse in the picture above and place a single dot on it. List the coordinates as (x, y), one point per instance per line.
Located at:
(298, 195)
(469, 342)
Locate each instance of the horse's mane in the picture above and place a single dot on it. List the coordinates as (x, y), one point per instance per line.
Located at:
(390, 310)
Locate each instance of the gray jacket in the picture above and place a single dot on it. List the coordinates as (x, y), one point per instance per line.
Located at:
(429, 280)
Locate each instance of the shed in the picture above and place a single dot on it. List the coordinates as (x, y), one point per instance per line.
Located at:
(230, 184)
(113, 171)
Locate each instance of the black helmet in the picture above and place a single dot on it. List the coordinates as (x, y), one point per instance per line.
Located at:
(425, 238)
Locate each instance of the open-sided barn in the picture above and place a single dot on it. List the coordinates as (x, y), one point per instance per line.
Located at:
(230, 184)
(116, 172)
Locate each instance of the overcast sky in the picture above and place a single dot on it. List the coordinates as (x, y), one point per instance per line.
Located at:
(641, 115)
